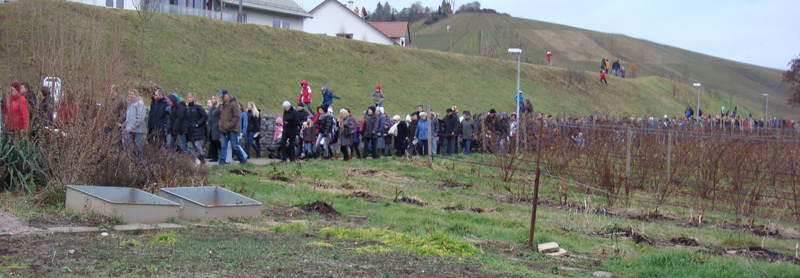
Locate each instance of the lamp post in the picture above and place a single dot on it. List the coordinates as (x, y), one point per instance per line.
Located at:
(517, 51)
(698, 100)
(766, 109)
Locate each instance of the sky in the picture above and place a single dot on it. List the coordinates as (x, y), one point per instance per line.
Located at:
(759, 32)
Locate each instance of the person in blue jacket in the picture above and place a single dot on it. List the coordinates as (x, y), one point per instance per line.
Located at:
(328, 96)
(421, 134)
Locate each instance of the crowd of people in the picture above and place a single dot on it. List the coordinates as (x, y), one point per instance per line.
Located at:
(226, 127)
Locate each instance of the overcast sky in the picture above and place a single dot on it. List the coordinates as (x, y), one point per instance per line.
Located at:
(760, 32)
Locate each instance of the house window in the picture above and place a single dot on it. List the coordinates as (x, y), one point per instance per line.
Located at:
(346, 36)
(110, 3)
(120, 4)
(285, 24)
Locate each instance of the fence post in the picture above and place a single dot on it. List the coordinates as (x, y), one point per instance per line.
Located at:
(669, 155)
(628, 163)
(430, 153)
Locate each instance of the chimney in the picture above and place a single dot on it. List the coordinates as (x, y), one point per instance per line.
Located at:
(350, 4)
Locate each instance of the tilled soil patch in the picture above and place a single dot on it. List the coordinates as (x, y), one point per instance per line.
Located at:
(243, 172)
(687, 241)
(757, 253)
(321, 208)
(365, 195)
(410, 200)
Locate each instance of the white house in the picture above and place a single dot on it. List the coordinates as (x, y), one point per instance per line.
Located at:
(276, 13)
(335, 19)
(397, 30)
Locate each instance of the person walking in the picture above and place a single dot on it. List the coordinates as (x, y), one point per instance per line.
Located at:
(157, 120)
(214, 145)
(622, 72)
(347, 128)
(196, 118)
(324, 126)
(549, 53)
(369, 130)
(603, 64)
(607, 65)
(400, 135)
(291, 127)
(45, 112)
(135, 126)
(603, 77)
(328, 96)
(380, 141)
(421, 134)
(230, 128)
(309, 137)
(450, 123)
(378, 96)
(178, 127)
(615, 67)
(305, 94)
(253, 130)
(15, 110)
(30, 96)
(468, 128)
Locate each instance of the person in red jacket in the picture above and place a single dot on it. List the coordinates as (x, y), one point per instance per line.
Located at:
(305, 94)
(15, 110)
(603, 77)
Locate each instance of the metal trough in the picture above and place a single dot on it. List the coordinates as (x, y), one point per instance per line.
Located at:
(130, 204)
(211, 202)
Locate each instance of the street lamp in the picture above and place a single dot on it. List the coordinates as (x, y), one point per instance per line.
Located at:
(766, 110)
(698, 100)
(518, 51)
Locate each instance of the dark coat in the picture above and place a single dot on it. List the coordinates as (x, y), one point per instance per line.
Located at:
(402, 132)
(291, 122)
(412, 127)
(196, 118)
(230, 117)
(178, 124)
(253, 122)
(324, 124)
(346, 132)
(213, 122)
(158, 114)
(370, 129)
(450, 124)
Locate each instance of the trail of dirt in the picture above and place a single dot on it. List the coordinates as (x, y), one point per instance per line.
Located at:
(11, 225)
(320, 207)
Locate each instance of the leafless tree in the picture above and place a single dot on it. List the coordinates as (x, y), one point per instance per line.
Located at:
(146, 9)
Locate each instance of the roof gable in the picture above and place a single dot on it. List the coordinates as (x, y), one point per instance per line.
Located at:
(279, 6)
(349, 12)
(395, 29)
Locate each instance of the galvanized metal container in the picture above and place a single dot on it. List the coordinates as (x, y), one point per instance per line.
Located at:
(131, 204)
(211, 202)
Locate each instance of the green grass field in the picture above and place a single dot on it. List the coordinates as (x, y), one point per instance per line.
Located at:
(446, 237)
(265, 65)
(581, 49)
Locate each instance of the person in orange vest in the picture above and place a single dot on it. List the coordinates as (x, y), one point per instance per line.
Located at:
(603, 77)
(607, 66)
(15, 110)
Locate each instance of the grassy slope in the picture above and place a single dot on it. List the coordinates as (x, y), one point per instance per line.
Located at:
(265, 65)
(583, 49)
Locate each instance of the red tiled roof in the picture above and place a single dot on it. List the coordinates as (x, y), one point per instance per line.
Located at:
(392, 29)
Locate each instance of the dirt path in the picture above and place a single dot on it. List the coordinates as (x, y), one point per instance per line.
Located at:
(11, 225)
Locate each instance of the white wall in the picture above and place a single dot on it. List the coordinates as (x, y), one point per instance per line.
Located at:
(331, 18)
(262, 17)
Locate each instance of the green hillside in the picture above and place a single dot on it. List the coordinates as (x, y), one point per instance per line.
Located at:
(91, 47)
(490, 35)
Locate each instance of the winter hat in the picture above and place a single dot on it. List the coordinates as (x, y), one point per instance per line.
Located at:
(324, 108)
(408, 118)
(491, 111)
(223, 93)
(466, 113)
(503, 114)
(286, 104)
(301, 105)
(396, 118)
(173, 98)
(372, 108)
(304, 83)
(15, 85)
(342, 111)
(448, 110)
(310, 116)
(423, 114)
(324, 89)
(378, 87)
(381, 109)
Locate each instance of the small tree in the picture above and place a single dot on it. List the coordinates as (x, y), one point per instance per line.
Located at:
(146, 9)
(792, 78)
(634, 69)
